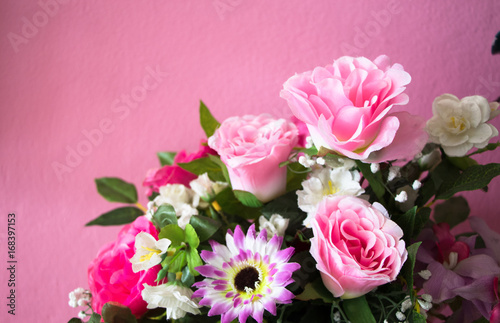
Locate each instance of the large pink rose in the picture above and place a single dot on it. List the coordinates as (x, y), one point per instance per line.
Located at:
(174, 174)
(356, 246)
(111, 278)
(347, 108)
(252, 147)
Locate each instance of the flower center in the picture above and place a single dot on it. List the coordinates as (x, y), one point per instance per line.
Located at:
(457, 124)
(247, 279)
(150, 254)
(330, 190)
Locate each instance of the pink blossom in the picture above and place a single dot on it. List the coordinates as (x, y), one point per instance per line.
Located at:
(174, 174)
(252, 147)
(356, 247)
(111, 278)
(347, 108)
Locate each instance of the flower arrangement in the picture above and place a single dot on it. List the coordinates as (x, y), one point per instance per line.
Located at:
(342, 215)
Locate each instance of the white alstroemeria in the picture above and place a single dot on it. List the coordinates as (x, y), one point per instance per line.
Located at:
(276, 225)
(148, 251)
(206, 188)
(184, 200)
(324, 182)
(79, 297)
(459, 125)
(176, 299)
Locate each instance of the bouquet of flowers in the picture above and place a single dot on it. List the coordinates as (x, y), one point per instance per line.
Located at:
(341, 214)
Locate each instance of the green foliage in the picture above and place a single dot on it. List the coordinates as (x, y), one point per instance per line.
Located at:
(166, 157)
(164, 215)
(204, 165)
(207, 120)
(473, 178)
(205, 227)
(357, 310)
(295, 175)
(247, 199)
(115, 189)
(375, 181)
(75, 320)
(174, 233)
(122, 215)
(231, 205)
(409, 265)
(453, 211)
(115, 312)
(489, 147)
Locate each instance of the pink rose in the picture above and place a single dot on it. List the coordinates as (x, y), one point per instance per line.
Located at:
(347, 106)
(111, 278)
(174, 174)
(356, 246)
(252, 147)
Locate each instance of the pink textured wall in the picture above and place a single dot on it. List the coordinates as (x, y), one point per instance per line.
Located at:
(69, 67)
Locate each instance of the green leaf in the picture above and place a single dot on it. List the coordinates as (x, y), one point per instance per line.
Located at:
(231, 205)
(121, 215)
(247, 199)
(115, 189)
(452, 211)
(96, 318)
(191, 236)
(407, 270)
(193, 261)
(204, 165)
(165, 215)
(75, 320)
(162, 274)
(205, 227)
(407, 223)
(178, 261)
(286, 206)
(316, 290)
(207, 120)
(462, 162)
(295, 175)
(488, 147)
(187, 277)
(473, 178)
(174, 233)
(357, 310)
(116, 312)
(421, 219)
(417, 318)
(222, 166)
(375, 182)
(166, 157)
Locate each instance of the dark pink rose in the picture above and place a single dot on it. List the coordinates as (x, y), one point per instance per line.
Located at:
(347, 108)
(174, 174)
(111, 278)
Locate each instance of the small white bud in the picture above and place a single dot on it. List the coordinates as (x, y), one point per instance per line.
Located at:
(401, 197)
(425, 274)
(406, 305)
(374, 167)
(393, 173)
(427, 297)
(320, 161)
(400, 316)
(309, 142)
(82, 315)
(416, 184)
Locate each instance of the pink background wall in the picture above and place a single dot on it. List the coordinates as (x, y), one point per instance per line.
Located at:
(67, 72)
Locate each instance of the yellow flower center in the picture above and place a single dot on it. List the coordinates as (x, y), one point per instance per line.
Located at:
(458, 124)
(150, 254)
(330, 190)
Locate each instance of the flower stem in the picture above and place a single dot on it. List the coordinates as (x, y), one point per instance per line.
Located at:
(142, 208)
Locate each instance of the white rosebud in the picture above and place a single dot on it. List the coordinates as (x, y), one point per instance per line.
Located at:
(425, 274)
(276, 225)
(174, 298)
(401, 197)
(374, 167)
(393, 173)
(205, 188)
(460, 125)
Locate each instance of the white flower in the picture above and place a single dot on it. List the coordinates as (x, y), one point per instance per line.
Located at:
(374, 167)
(148, 251)
(205, 188)
(416, 184)
(79, 297)
(401, 197)
(400, 316)
(175, 298)
(459, 125)
(393, 173)
(82, 315)
(406, 197)
(425, 274)
(184, 200)
(276, 225)
(324, 182)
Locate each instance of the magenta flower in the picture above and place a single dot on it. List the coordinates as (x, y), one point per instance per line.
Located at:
(246, 276)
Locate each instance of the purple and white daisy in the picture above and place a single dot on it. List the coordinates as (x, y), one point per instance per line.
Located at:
(246, 276)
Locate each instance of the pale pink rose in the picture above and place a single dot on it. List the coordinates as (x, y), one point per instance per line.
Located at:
(252, 147)
(111, 278)
(347, 108)
(356, 246)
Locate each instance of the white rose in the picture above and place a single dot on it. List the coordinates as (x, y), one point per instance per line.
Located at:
(459, 125)
(276, 225)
